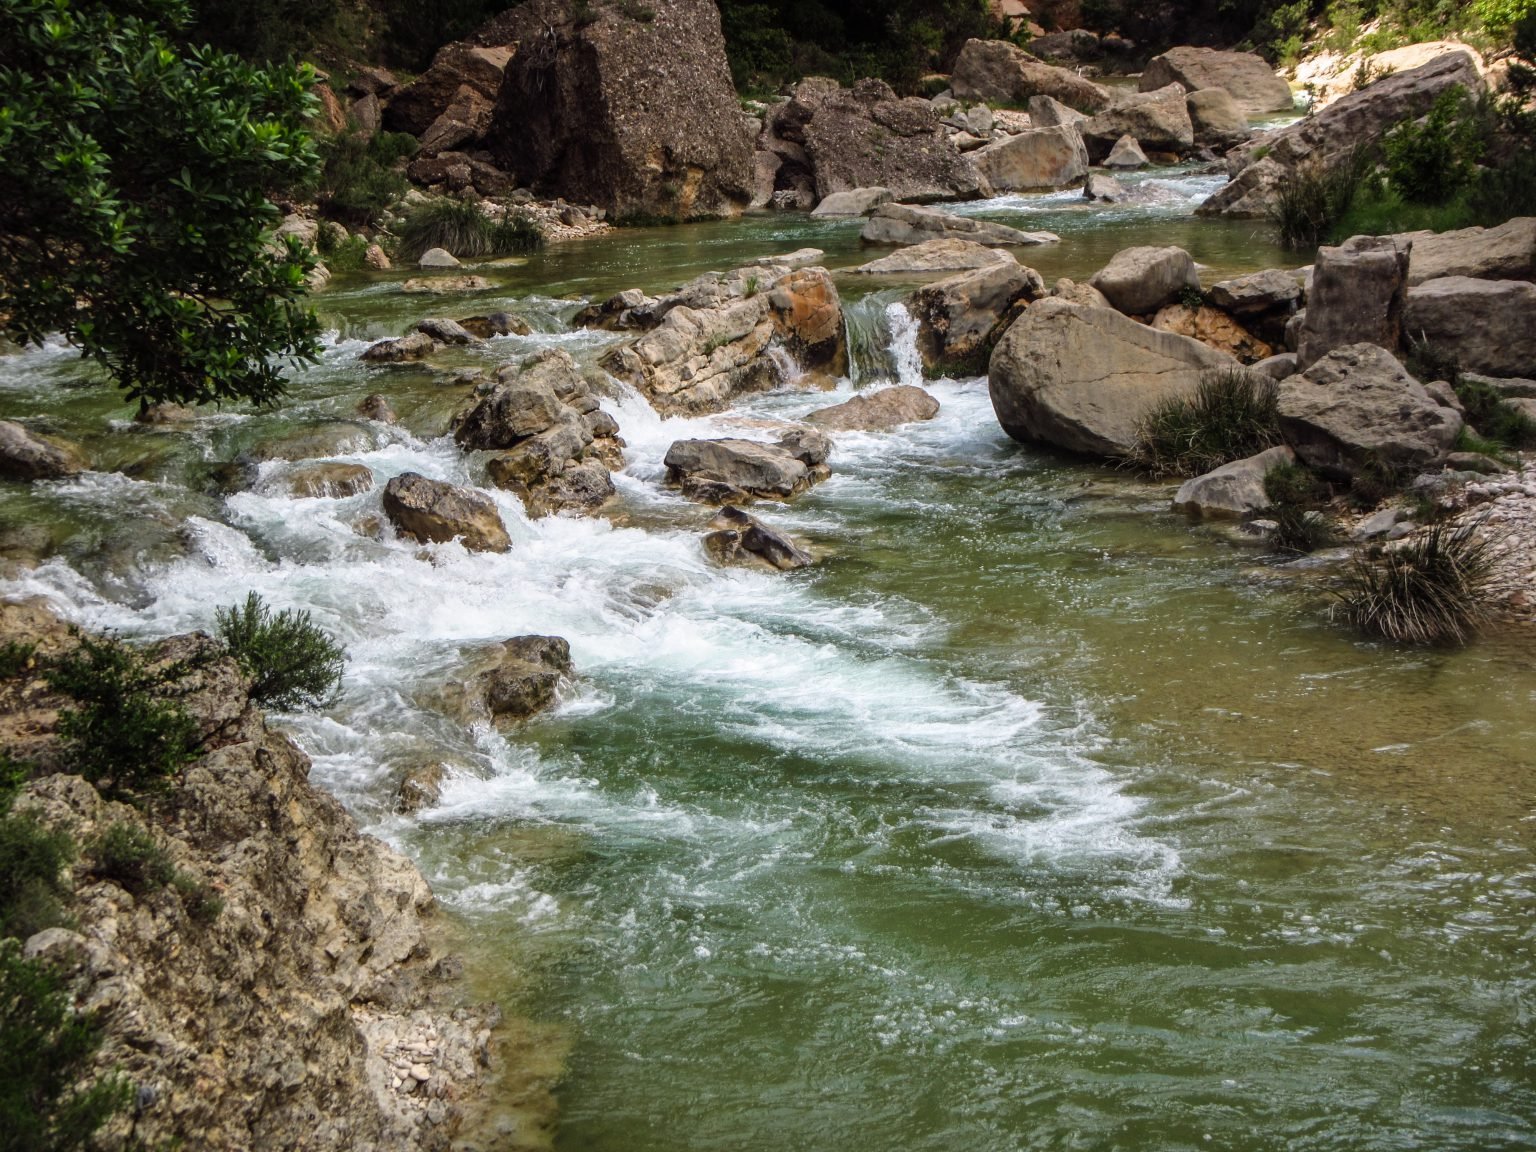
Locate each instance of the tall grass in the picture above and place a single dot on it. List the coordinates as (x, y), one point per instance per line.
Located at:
(1311, 200)
(1232, 414)
(459, 227)
(1429, 589)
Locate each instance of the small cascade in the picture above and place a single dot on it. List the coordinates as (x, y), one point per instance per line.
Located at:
(867, 327)
(905, 358)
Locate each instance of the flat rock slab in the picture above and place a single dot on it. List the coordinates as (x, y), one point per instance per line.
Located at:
(935, 256)
(1489, 326)
(1507, 252)
(878, 411)
(910, 224)
(731, 470)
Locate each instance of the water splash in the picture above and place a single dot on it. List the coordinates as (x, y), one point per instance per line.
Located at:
(908, 361)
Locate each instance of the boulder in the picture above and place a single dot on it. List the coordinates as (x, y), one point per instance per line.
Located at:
(1278, 366)
(376, 258)
(854, 202)
(1489, 326)
(1103, 187)
(731, 470)
(1256, 293)
(332, 481)
(958, 317)
(1234, 490)
(737, 536)
(631, 111)
(1048, 112)
(522, 678)
(1038, 159)
(1076, 46)
(422, 787)
(1507, 252)
(496, 324)
(458, 72)
(416, 346)
(935, 256)
(909, 224)
(375, 407)
(437, 258)
(998, 72)
(1158, 120)
(433, 512)
(1126, 155)
(1356, 295)
(1074, 293)
(446, 331)
(1357, 408)
(630, 309)
(27, 456)
(464, 121)
(1141, 280)
(1252, 83)
(1218, 121)
(1212, 327)
(878, 411)
(1082, 378)
(443, 285)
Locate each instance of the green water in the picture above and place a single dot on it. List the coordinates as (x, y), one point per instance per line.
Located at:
(1031, 818)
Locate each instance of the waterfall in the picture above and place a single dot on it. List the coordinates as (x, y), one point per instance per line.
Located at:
(882, 340)
(906, 359)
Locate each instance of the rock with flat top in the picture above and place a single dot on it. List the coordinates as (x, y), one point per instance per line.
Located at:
(854, 202)
(1356, 294)
(910, 224)
(1507, 252)
(1234, 490)
(1142, 279)
(878, 411)
(731, 470)
(434, 512)
(934, 257)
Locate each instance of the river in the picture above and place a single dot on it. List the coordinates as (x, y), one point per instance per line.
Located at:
(1031, 817)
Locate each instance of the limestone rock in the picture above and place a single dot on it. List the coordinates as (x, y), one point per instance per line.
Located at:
(1214, 328)
(1126, 155)
(909, 224)
(496, 324)
(1081, 378)
(1074, 293)
(1251, 82)
(1142, 279)
(458, 71)
(1356, 295)
(854, 202)
(334, 481)
(935, 256)
(878, 411)
(27, 456)
(737, 536)
(1157, 120)
(1218, 121)
(421, 788)
(433, 512)
(447, 284)
(1001, 73)
(1103, 187)
(376, 258)
(1233, 490)
(731, 470)
(1489, 326)
(416, 346)
(375, 407)
(1278, 366)
(1507, 252)
(1271, 290)
(958, 317)
(1357, 408)
(437, 258)
(799, 258)
(1037, 159)
(522, 678)
(1048, 112)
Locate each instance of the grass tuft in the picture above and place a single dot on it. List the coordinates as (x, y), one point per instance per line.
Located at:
(1428, 589)
(1312, 199)
(1233, 414)
(459, 227)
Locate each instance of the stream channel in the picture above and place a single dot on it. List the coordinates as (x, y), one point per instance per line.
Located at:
(1032, 817)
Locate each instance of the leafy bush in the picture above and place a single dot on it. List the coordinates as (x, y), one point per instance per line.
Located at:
(198, 899)
(1428, 589)
(1295, 484)
(358, 182)
(129, 735)
(459, 227)
(32, 860)
(1233, 414)
(292, 662)
(1430, 161)
(1495, 418)
(1312, 199)
(1300, 530)
(130, 857)
(15, 658)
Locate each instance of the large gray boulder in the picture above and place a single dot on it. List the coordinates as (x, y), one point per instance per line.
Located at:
(27, 456)
(434, 512)
(1234, 490)
(958, 317)
(1356, 295)
(908, 224)
(935, 257)
(1002, 73)
(733, 470)
(854, 202)
(1033, 160)
(1048, 112)
(1252, 83)
(1142, 279)
(1158, 120)
(1082, 378)
(1126, 155)
(1218, 121)
(1357, 409)
(1489, 326)
(1507, 252)
(878, 411)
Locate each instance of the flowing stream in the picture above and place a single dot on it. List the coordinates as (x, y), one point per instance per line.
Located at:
(1030, 818)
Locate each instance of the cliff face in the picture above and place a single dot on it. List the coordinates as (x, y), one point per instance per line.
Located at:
(313, 1011)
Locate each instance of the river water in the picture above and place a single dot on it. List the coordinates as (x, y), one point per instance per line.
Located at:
(1030, 818)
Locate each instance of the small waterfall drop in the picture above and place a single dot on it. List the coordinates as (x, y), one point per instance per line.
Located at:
(882, 341)
(905, 358)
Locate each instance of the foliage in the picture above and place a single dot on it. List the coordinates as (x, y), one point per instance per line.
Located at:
(1311, 199)
(292, 662)
(264, 29)
(32, 861)
(131, 858)
(45, 1047)
(128, 734)
(1300, 530)
(15, 658)
(1428, 589)
(358, 180)
(1429, 161)
(1233, 414)
(1428, 362)
(134, 210)
(460, 227)
(198, 900)
(1495, 418)
(1294, 484)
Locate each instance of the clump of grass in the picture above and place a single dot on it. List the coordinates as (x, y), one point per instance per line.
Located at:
(1312, 199)
(32, 861)
(1296, 494)
(1295, 484)
(130, 857)
(1429, 589)
(292, 662)
(459, 227)
(198, 899)
(1497, 421)
(1232, 414)
(1428, 362)
(16, 658)
(358, 179)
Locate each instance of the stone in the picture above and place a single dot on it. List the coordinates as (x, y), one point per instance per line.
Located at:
(1158, 120)
(878, 411)
(1252, 83)
(434, 512)
(765, 175)
(1038, 159)
(1077, 45)
(631, 308)
(495, 324)
(1356, 294)
(1357, 408)
(457, 71)
(1475, 462)
(744, 467)
(1081, 378)
(638, 116)
(1126, 155)
(25, 455)
(935, 256)
(437, 258)
(1103, 187)
(524, 675)
(1489, 326)
(1001, 73)
(1278, 366)
(736, 536)
(1141, 280)
(1271, 290)
(1048, 112)
(958, 318)
(1507, 252)
(1218, 121)
(448, 284)
(1376, 525)
(1509, 387)
(376, 258)
(416, 346)
(1234, 490)
(1212, 327)
(799, 258)
(910, 224)
(331, 481)
(446, 331)
(422, 787)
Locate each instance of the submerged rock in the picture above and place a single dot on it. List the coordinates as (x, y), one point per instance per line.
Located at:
(334, 481)
(25, 455)
(375, 407)
(739, 537)
(447, 284)
(909, 224)
(433, 512)
(422, 787)
(522, 678)
(878, 411)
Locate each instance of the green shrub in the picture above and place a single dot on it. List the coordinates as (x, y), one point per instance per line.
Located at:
(1428, 589)
(128, 735)
(1296, 485)
(1431, 160)
(1191, 296)
(358, 182)
(198, 899)
(32, 863)
(16, 658)
(131, 858)
(291, 661)
(1300, 530)
(1312, 199)
(1494, 418)
(1233, 414)
(459, 227)
(45, 1049)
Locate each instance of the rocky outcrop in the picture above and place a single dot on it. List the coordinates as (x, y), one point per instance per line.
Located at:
(1081, 378)
(958, 317)
(1489, 326)
(1251, 82)
(433, 512)
(714, 337)
(737, 537)
(1157, 120)
(554, 444)
(1507, 252)
(1213, 328)
(733, 471)
(461, 74)
(1141, 280)
(1234, 490)
(934, 257)
(25, 455)
(1001, 73)
(909, 224)
(517, 679)
(878, 411)
(1038, 159)
(638, 116)
(1357, 409)
(1356, 295)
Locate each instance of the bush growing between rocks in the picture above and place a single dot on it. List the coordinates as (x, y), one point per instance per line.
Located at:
(292, 662)
(32, 861)
(1233, 414)
(459, 227)
(358, 181)
(1429, 589)
(130, 858)
(1311, 199)
(1429, 161)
